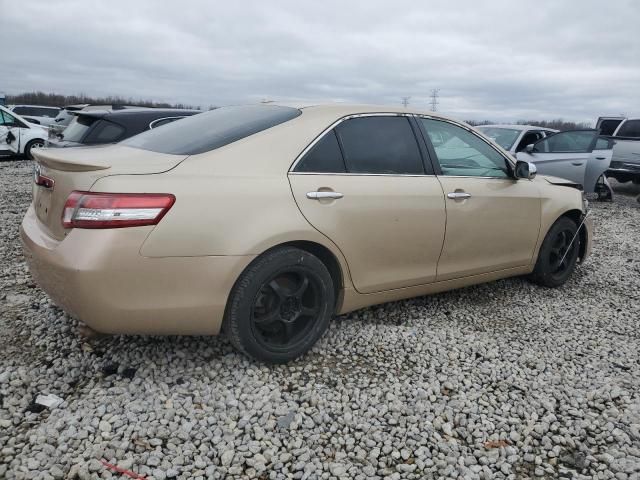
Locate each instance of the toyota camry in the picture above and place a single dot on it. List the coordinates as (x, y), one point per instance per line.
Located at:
(264, 221)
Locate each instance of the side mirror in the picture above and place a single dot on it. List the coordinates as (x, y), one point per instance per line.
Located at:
(525, 170)
(530, 148)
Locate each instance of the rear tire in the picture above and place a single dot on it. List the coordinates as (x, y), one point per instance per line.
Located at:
(551, 270)
(280, 305)
(35, 143)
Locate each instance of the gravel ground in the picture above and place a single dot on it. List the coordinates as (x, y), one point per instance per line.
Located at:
(504, 380)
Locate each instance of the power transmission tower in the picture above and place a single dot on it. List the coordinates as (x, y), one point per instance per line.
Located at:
(434, 99)
(405, 101)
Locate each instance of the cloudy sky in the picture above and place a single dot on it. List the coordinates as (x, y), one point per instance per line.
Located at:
(502, 60)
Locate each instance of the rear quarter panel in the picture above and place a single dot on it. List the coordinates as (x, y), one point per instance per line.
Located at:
(235, 200)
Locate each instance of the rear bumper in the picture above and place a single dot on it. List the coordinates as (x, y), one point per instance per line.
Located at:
(100, 277)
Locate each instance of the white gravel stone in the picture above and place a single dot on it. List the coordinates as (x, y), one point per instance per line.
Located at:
(502, 380)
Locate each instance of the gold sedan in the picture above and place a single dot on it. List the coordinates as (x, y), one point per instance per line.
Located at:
(267, 220)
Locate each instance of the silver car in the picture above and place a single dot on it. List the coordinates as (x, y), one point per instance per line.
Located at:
(582, 156)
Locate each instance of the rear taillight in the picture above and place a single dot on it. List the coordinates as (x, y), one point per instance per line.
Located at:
(115, 210)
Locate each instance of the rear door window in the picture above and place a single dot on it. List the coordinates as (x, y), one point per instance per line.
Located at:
(380, 145)
(324, 157)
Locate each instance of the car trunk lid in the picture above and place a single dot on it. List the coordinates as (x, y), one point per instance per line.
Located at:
(58, 172)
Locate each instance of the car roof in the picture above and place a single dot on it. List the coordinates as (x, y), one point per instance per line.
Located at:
(344, 109)
(519, 127)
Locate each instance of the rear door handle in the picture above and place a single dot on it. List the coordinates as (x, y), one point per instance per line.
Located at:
(601, 158)
(321, 195)
(458, 195)
(577, 164)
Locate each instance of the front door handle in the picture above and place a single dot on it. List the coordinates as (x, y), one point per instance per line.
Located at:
(458, 195)
(577, 164)
(601, 158)
(321, 195)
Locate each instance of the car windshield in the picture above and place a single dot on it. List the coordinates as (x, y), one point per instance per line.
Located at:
(77, 128)
(210, 130)
(505, 137)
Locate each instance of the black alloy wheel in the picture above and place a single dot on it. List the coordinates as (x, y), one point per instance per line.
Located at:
(280, 305)
(558, 254)
(285, 308)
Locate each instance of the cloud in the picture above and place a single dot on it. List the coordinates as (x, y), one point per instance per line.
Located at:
(499, 60)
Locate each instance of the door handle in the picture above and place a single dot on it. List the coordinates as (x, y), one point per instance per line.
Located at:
(321, 195)
(458, 195)
(601, 158)
(577, 164)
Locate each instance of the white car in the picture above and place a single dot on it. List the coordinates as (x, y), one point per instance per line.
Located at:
(18, 136)
(37, 114)
(515, 138)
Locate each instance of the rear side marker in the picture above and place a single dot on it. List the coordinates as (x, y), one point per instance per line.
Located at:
(115, 210)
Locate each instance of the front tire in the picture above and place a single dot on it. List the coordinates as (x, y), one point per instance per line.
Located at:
(558, 255)
(35, 143)
(280, 306)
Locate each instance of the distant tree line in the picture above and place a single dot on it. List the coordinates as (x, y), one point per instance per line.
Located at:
(58, 100)
(557, 124)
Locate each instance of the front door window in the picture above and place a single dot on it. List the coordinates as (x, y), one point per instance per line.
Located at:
(461, 153)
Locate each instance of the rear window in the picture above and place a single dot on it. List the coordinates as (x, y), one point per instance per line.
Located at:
(105, 132)
(78, 128)
(64, 117)
(607, 127)
(210, 130)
